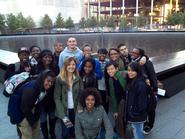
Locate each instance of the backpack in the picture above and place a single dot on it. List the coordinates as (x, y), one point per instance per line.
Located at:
(14, 107)
(14, 82)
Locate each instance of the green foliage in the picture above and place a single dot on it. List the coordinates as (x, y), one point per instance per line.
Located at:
(2, 22)
(111, 22)
(102, 22)
(82, 22)
(30, 22)
(69, 23)
(91, 22)
(123, 24)
(183, 19)
(21, 21)
(175, 19)
(59, 23)
(46, 22)
(141, 21)
(12, 22)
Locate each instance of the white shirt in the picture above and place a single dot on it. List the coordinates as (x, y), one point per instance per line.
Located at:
(70, 99)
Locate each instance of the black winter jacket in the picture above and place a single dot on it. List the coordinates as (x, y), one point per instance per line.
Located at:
(136, 101)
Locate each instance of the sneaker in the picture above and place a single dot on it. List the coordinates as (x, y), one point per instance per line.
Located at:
(147, 130)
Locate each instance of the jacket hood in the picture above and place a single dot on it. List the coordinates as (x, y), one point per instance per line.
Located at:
(69, 51)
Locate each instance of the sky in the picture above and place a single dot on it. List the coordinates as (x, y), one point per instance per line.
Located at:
(38, 8)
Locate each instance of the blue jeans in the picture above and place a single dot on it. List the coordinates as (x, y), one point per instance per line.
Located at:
(138, 130)
(68, 132)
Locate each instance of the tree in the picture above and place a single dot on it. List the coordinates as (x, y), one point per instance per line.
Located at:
(183, 19)
(2, 22)
(59, 23)
(82, 22)
(102, 23)
(141, 21)
(111, 22)
(123, 24)
(91, 22)
(12, 22)
(30, 22)
(69, 23)
(46, 22)
(22, 23)
(175, 19)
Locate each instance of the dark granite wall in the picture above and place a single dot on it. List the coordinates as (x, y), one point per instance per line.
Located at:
(154, 43)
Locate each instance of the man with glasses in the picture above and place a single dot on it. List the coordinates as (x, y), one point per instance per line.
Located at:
(70, 51)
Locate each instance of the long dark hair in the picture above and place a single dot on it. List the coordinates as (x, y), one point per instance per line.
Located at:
(137, 68)
(82, 71)
(42, 76)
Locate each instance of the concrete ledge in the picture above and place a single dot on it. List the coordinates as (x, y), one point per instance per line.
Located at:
(170, 70)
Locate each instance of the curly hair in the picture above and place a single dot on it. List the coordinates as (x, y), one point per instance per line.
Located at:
(91, 91)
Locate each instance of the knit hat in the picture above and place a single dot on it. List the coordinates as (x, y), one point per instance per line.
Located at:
(23, 49)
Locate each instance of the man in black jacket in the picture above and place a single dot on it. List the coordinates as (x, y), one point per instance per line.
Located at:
(149, 73)
(23, 65)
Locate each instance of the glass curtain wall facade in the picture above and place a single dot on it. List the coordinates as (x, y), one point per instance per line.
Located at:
(127, 8)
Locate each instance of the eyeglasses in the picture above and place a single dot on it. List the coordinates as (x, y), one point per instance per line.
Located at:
(134, 53)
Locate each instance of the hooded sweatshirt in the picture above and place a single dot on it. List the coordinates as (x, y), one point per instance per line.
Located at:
(77, 54)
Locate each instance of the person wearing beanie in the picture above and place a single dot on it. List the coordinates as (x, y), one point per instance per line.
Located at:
(16, 68)
(22, 66)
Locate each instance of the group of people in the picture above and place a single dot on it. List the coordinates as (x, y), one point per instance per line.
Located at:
(79, 90)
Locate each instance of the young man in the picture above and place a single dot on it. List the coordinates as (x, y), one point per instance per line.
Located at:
(23, 65)
(70, 51)
(58, 48)
(117, 85)
(125, 56)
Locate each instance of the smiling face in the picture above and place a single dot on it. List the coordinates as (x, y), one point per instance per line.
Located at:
(90, 102)
(88, 67)
(114, 55)
(48, 82)
(46, 60)
(101, 56)
(135, 53)
(72, 43)
(131, 73)
(71, 67)
(35, 52)
(58, 47)
(111, 70)
(87, 51)
(24, 57)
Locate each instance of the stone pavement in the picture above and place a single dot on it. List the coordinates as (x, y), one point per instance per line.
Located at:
(170, 119)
